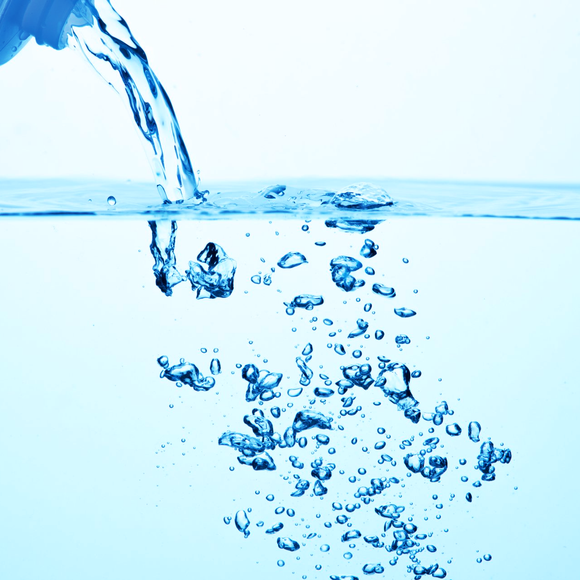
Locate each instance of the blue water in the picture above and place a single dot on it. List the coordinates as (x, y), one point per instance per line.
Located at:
(266, 414)
(105, 40)
(315, 379)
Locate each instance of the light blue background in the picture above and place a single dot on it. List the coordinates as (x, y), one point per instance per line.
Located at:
(84, 412)
(454, 89)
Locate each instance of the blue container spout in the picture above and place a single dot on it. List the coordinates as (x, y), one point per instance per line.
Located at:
(45, 20)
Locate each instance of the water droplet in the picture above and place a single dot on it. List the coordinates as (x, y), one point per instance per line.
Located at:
(473, 431)
(292, 260)
(454, 430)
(369, 249)
(383, 290)
(215, 366)
(405, 312)
(111, 200)
(242, 523)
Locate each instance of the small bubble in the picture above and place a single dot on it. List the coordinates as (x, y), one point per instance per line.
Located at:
(111, 200)
(281, 563)
(305, 228)
(248, 235)
(270, 497)
(487, 557)
(347, 555)
(405, 261)
(171, 405)
(324, 548)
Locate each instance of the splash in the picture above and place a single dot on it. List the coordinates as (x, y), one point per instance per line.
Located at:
(107, 43)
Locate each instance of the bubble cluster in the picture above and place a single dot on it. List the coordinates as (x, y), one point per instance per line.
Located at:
(370, 516)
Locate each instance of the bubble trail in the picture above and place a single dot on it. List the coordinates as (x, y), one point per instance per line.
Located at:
(301, 434)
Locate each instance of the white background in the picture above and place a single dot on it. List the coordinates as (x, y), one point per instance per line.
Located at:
(446, 89)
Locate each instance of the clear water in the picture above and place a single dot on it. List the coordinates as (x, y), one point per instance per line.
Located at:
(105, 40)
(111, 469)
(353, 385)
